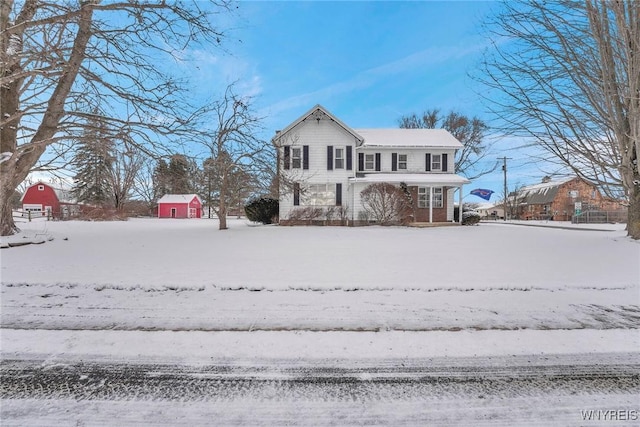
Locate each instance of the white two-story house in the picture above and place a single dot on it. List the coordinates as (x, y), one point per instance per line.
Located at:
(325, 165)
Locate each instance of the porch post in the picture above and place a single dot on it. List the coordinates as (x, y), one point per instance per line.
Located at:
(460, 205)
(430, 205)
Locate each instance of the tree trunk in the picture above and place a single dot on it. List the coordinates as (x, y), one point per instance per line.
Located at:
(7, 225)
(222, 209)
(633, 220)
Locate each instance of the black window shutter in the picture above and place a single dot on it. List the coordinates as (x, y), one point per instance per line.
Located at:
(287, 157)
(330, 157)
(305, 157)
(296, 194)
(394, 161)
(361, 161)
(428, 162)
(338, 194)
(378, 162)
(349, 157)
(445, 163)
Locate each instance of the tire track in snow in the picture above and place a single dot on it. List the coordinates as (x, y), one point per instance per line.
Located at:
(100, 381)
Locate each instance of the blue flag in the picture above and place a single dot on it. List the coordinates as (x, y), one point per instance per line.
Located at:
(482, 193)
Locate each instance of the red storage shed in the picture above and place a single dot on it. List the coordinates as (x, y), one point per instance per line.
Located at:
(180, 206)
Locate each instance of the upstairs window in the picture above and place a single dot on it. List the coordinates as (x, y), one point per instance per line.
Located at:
(296, 157)
(339, 158)
(40, 187)
(369, 162)
(402, 162)
(436, 162)
(398, 162)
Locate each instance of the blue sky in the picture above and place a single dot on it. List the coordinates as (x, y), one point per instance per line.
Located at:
(367, 62)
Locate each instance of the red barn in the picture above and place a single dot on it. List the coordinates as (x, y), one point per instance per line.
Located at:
(180, 206)
(41, 200)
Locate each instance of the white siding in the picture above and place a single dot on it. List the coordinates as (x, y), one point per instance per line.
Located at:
(318, 135)
(416, 159)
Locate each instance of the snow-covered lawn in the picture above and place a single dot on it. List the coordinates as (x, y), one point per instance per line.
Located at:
(291, 299)
(191, 254)
(151, 274)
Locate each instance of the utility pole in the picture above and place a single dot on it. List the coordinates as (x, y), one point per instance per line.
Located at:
(504, 170)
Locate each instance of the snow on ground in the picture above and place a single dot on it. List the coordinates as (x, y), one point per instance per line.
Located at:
(187, 254)
(181, 275)
(544, 315)
(242, 348)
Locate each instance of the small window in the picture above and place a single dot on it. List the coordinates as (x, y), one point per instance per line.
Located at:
(339, 158)
(40, 187)
(296, 158)
(423, 197)
(402, 162)
(436, 162)
(369, 162)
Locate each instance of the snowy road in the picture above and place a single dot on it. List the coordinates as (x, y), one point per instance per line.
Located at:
(536, 390)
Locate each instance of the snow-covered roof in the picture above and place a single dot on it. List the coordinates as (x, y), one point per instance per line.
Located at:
(447, 179)
(419, 138)
(544, 192)
(483, 206)
(178, 198)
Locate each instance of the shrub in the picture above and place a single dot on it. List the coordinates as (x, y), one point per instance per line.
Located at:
(308, 214)
(470, 218)
(264, 210)
(386, 204)
(101, 213)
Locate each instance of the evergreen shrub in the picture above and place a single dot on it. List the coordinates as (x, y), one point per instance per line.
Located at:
(264, 210)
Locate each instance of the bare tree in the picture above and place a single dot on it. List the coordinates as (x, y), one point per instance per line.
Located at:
(469, 131)
(144, 188)
(386, 204)
(58, 59)
(125, 167)
(566, 74)
(232, 145)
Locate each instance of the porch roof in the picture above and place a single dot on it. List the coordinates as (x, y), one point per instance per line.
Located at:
(428, 179)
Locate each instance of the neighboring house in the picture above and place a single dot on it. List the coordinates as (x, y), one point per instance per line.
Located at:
(559, 200)
(326, 164)
(490, 210)
(180, 206)
(41, 199)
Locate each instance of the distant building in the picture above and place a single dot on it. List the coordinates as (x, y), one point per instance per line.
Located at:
(490, 210)
(559, 200)
(41, 199)
(180, 206)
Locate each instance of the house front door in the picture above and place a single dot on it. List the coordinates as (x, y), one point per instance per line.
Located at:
(173, 212)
